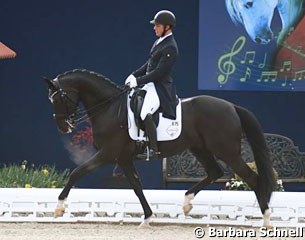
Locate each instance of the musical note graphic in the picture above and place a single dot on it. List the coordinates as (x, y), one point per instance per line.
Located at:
(286, 66)
(299, 75)
(249, 57)
(267, 76)
(225, 64)
(247, 75)
(262, 65)
(284, 84)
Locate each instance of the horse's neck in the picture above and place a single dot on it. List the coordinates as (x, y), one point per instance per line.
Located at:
(93, 93)
(290, 11)
(102, 100)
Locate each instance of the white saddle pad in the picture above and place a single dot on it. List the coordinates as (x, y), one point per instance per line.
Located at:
(167, 129)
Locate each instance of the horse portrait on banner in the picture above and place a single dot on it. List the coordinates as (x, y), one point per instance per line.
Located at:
(256, 16)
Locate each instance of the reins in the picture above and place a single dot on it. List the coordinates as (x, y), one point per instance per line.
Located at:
(71, 120)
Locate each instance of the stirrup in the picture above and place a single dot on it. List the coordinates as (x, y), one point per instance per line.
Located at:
(153, 154)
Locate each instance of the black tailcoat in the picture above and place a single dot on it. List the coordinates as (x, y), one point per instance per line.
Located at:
(158, 69)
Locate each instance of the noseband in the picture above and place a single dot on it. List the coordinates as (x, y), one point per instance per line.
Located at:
(69, 117)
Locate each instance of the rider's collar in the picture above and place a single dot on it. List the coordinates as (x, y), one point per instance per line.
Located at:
(162, 38)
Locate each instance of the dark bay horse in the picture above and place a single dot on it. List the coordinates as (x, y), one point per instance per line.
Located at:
(212, 127)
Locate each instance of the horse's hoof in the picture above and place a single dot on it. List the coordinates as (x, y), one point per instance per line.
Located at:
(268, 226)
(266, 222)
(145, 224)
(59, 212)
(187, 208)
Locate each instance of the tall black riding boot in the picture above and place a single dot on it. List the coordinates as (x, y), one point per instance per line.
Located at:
(150, 129)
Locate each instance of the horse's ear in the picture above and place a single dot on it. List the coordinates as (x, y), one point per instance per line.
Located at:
(50, 84)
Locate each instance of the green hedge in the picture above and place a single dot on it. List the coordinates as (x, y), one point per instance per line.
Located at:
(25, 176)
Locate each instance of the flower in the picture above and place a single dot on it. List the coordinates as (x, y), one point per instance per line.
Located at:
(23, 164)
(279, 186)
(45, 171)
(53, 184)
(237, 183)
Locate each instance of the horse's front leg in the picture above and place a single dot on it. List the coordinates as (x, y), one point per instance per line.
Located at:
(91, 164)
(133, 178)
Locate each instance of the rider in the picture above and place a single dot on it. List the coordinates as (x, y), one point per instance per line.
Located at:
(155, 75)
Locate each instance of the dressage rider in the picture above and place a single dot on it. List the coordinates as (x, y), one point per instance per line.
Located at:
(155, 77)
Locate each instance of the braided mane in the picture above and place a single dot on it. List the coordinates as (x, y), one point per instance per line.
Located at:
(97, 76)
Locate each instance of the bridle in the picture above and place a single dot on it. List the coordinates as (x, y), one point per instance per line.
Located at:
(70, 117)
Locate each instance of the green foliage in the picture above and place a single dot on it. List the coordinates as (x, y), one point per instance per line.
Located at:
(24, 176)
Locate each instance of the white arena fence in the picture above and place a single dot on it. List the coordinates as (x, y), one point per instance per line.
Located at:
(118, 205)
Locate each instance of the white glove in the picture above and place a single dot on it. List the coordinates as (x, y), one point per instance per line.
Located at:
(127, 81)
(131, 81)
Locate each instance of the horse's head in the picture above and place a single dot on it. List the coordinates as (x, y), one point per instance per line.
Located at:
(255, 15)
(64, 103)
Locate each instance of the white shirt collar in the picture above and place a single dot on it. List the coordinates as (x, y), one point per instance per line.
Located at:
(162, 38)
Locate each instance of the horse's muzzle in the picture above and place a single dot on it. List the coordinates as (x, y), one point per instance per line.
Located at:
(264, 38)
(64, 125)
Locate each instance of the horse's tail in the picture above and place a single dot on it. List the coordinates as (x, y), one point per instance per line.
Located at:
(255, 137)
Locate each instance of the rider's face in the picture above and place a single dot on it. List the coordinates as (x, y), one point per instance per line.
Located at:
(159, 28)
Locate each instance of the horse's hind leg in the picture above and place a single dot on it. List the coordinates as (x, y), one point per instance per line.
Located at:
(133, 178)
(251, 178)
(90, 165)
(213, 173)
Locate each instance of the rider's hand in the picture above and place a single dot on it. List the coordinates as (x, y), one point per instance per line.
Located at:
(131, 81)
(127, 81)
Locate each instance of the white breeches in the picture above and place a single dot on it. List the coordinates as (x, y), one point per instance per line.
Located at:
(151, 101)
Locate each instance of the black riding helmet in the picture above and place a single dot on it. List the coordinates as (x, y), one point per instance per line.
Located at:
(164, 17)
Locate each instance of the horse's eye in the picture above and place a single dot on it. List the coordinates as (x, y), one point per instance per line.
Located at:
(248, 5)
